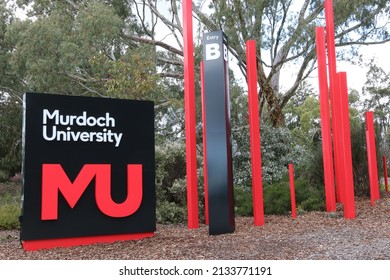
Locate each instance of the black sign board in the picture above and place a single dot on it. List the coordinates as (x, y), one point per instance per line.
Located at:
(218, 142)
(88, 167)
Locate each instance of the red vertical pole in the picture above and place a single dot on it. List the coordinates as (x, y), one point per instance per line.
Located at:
(325, 122)
(254, 126)
(348, 188)
(190, 117)
(368, 142)
(371, 156)
(334, 99)
(205, 177)
(339, 142)
(385, 173)
(292, 191)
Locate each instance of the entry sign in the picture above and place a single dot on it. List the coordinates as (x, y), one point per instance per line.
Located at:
(218, 142)
(88, 169)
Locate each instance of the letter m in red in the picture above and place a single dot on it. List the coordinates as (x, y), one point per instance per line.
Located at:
(55, 180)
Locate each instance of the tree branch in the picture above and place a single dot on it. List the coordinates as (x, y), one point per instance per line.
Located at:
(170, 61)
(163, 105)
(170, 75)
(142, 18)
(162, 17)
(362, 43)
(155, 43)
(300, 77)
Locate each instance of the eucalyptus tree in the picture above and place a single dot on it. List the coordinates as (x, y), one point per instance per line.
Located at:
(284, 31)
(8, 84)
(83, 47)
(10, 109)
(376, 93)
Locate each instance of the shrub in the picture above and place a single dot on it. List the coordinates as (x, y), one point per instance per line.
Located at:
(170, 212)
(9, 216)
(10, 141)
(4, 176)
(170, 166)
(277, 198)
(243, 203)
(359, 158)
(10, 211)
(171, 190)
(278, 148)
(313, 167)
(307, 197)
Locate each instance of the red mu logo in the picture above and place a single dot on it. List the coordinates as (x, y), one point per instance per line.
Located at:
(55, 180)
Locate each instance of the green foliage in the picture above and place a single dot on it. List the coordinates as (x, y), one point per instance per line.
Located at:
(170, 166)
(170, 213)
(81, 50)
(307, 196)
(243, 203)
(278, 149)
(4, 176)
(376, 92)
(9, 216)
(171, 187)
(359, 158)
(138, 82)
(312, 167)
(277, 198)
(10, 138)
(10, 206)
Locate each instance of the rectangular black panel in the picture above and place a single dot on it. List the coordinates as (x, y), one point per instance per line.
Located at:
(72, 132)
(219, 154)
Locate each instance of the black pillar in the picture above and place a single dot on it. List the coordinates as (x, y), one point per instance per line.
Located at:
(218, 142)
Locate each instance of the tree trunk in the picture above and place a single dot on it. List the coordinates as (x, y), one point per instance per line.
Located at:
(274, 110)
(268, 95)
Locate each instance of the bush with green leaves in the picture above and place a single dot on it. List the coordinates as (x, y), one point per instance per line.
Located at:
(170, 193)
(10, 206)
(312, 168)
(10, 138)
(171, 186)
(308, 197)
(278, 149)
(243, 202)
(9, 216)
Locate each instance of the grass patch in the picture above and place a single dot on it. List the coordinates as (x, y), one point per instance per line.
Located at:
(10, 209)
(9, 217)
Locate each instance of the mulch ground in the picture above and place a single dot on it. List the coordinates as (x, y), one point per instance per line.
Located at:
(312, 236)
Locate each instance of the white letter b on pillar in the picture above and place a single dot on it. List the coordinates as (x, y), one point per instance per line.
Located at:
(212, 51)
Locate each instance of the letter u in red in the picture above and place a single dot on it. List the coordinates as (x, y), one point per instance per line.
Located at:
(134, 193)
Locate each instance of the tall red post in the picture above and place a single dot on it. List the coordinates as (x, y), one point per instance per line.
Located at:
(254, 126)
(205, 177)
(371, 156)
(325, 122)
(292, 191)
(190, 117)
(348, 187)
(334, 99)
(385, 173)
(339, 142)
